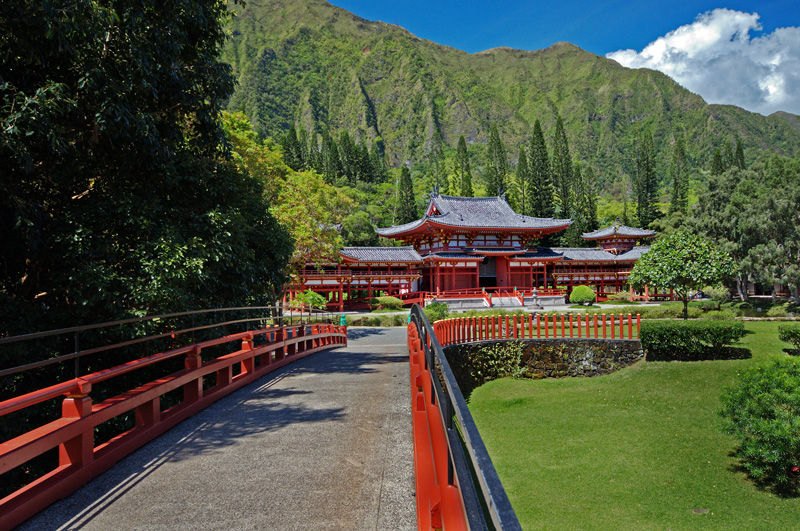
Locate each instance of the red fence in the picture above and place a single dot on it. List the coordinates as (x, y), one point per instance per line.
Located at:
(469, 329)
(80, 460)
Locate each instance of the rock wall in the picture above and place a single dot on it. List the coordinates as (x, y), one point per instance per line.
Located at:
(558, 358)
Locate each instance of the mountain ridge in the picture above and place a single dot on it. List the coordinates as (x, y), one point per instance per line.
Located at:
(309, 63)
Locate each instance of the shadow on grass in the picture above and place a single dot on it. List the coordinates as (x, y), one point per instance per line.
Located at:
(706, 354)
(792, 351)
(791, 491)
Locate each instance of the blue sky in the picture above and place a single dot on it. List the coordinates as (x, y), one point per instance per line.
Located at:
(724, 52)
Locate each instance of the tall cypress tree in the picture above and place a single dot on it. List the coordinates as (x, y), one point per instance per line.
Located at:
(524, 183)
(406, 205)
(292, 151)
(542, 203)
(645, 179)
(590, 199)
(679, 173)
(497, 165)
(562, 169)
(463, 172)
(436, 160)
(738, 158)
(717, 165)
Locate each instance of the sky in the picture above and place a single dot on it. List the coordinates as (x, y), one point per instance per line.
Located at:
(738, 53)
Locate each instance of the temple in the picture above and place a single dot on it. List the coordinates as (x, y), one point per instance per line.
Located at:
(474, 245)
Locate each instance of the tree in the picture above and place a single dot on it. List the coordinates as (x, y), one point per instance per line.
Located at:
(562, 169)
(524, 182)
(542, 202)
(358, 230)
(679, 173)
(717, 165)
(463, 172)
(589, 199)
(497, 164)
(436, 160)
(738, 158)
(683, 262)
(645, 180)
(406, 205)
(292, 150)
(116, 198)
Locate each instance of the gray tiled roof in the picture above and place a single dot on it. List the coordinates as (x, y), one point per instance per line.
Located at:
(634, 254)
(382, 254)
(620, 229)
(581, 254)
(482, 212)
(541, 252)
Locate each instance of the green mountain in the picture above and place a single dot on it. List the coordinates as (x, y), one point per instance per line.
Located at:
(320, 67)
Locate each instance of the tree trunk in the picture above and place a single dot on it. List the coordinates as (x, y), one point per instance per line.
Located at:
(686, 307)
(741, 287)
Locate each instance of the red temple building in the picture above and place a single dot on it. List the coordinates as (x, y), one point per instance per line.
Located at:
(476, 245)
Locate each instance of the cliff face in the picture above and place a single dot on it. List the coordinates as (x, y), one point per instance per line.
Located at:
(321, 67)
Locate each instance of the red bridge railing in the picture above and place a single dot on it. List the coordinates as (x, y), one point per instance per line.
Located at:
(255, 353)
(546, 326)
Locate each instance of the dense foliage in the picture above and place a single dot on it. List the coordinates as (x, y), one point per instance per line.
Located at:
(116, 197)
(754, 215)
(683, 262)
(762, 410)
(688, 340)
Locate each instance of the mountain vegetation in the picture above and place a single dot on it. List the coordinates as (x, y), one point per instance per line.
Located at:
(323, 70)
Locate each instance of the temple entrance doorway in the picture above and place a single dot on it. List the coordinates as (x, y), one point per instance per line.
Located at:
(487, 273)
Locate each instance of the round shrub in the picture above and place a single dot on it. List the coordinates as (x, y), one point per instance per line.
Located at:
(436, 311)
(386, 303)
(762, 410)
(790, 333)
(582, 295)
(778, 311)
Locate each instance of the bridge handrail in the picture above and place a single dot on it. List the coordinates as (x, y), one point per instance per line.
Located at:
(452, 405)
(80, 459)
(75, 330)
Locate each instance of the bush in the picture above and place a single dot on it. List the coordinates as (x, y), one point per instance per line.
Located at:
(723, 315)
(688, 340)
(622, 296)
(386, 303)
(436, 311)
(778, 311)
(719, 294)
(496, 361)
(790, 334)
(582, 295)
(762, 410)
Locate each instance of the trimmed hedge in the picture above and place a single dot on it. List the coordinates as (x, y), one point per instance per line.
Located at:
(688, 340)
(388, 303)
(582, 295)
(790, 334)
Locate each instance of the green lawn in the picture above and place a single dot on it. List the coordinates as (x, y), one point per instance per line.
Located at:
(639, 449)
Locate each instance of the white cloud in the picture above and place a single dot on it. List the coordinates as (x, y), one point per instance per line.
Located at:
(716, 57)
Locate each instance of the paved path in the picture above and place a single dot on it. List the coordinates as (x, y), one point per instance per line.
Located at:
(321, 444)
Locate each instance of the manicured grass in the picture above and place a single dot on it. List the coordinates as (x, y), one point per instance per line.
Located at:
(639, 449)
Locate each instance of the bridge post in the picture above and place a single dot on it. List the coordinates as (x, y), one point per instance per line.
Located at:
(80, 449)
(193, 390)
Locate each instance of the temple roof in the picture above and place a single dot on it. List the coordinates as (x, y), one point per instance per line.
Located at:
(582, 254)
(381, 254)
(476, 212)
(618, 229)
(633, 254)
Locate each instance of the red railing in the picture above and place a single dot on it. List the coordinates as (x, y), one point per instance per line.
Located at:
(547, 326)
(73, 434)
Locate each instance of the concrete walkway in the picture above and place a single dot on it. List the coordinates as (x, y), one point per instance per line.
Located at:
(322, 444)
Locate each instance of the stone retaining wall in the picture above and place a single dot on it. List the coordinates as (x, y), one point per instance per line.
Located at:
(557, 358)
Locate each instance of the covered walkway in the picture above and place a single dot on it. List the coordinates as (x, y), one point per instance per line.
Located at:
(323, 443)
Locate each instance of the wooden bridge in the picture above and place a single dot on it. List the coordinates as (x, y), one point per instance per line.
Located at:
(250, 431)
